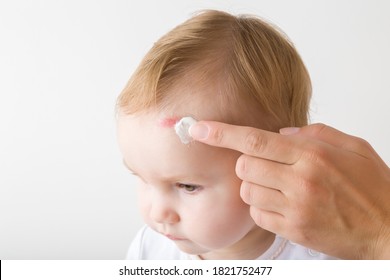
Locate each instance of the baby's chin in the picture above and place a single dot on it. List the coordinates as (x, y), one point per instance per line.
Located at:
(188, 247)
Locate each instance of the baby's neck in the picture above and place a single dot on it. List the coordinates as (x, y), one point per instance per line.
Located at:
(253, 245)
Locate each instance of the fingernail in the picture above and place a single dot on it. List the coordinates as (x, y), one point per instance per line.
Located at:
(199, 131)
(289, 130)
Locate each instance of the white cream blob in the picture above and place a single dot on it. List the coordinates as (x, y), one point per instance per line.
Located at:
(182, 127)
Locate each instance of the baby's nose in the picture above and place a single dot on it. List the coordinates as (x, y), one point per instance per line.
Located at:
(162, 212)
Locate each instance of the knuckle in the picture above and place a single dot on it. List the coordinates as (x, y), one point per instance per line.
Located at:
(217, 134)
(309, 186)
(308, 181)
(254, 142)
(317, 154)
(360, 144)
(301, 217)
(318, 128)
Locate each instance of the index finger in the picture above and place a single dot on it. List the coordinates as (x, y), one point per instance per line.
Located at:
(247, 140)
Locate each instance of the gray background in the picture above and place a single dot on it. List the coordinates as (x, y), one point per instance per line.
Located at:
(64, 193)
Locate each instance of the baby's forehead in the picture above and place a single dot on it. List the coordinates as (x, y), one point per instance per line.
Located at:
(205, 103)
(181, 126)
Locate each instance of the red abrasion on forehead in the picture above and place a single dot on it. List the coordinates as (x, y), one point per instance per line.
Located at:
(168, 122)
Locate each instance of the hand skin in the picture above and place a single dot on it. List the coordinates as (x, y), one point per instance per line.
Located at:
(315, 186)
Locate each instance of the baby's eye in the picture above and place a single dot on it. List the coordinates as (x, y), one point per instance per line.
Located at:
(188, 188)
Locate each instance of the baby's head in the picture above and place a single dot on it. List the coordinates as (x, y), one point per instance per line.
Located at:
(239, 70)
(215, 66)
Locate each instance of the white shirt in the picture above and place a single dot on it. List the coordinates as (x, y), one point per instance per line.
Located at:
(150, 245)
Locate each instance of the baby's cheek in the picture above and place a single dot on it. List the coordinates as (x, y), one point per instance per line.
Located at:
(232, 218)
(144, 205)
(210, 217)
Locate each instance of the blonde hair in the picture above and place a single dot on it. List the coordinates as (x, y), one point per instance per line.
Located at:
(255, 64)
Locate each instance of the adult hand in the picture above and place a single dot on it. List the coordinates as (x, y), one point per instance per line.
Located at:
(315, 186)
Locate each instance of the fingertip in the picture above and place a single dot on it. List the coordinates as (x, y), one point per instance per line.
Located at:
(199, 131)
(245, 192)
